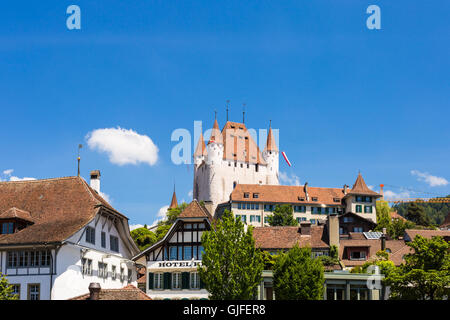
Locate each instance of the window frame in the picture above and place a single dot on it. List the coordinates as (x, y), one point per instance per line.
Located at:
(38, 285)
(90, 235)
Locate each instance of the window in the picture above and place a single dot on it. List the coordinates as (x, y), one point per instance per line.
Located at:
(336, 200)
(246, 195)
(300, 219)
(176, 280)
(16, 290)
(158, 281)
(341, 230)
(195, 281)
(359, 199)
(253, 206)
(367, 209)
(248, 206)
(103, 239)
(314, 210)
(314, 199)
(102, 270)
(348, 219)
(358, 255)
(357, 229)
(187, 253)
(201, 251)
(130, 275)
(300, 208)
(268, 207)
(90, 235)
(256, 167)
(173, 253)
(256, 206)
(313, 221)
(122, 275)
(256, 195)
(358, 208)
(113, 273)
(368, 199)
(239, 205)
(388, 250)
(301, 199)
(86, 267)
(24, 259)
(255, 218)
(34, 291)
(7, 228)
(114, 243)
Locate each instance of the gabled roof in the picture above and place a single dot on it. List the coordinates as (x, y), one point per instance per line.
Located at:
(129, 292)
(410, 234)
(271, 144)
(201, 148)
(195, 210)
(360, 188)
(14, 213)
(287, 194)
(239, 144)
(59, 208)
(284, 238)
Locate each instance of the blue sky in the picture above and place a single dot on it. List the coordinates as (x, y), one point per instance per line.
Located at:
(345, 98)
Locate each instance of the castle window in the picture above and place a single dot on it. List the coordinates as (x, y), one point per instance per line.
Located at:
(235, 164)
(256, 167)
(242, 165)
(248, 165)
(234, 184)
(246, 195)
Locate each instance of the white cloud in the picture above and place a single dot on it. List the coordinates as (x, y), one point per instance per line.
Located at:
(391, 195)
(123, 146)
(291, 180)
(135, 226)
(432, 181)
(161, 215)
(190, 193)
(106, 197)
(13, 178)
(8, 172)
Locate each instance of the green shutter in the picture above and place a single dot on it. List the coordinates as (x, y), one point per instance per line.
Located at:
(167, 281)
(150, 280)
(185, 280)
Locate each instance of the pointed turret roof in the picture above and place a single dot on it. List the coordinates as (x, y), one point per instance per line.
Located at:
(173, 203)
(201, 148)
(271, 144)
(360, 187)
(216, 135)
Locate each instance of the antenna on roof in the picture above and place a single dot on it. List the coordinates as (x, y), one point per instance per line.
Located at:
(79, 158)
(215, 115)
(243, 113)
(228, 101)
(270, 123)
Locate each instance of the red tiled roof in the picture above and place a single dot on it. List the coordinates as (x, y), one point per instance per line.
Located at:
(395, 215)
(129, 292)
(361, 188)
(412, 233)
(195, 210)
(285, 238)
(287, 194)
(216, 135)
(446, 222)
(173, 203)
(59, 207)
(239, 144)
(201, 148)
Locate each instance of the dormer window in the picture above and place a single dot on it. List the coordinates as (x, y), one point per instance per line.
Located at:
(314, 199)
(336, 200)
(7, 227)
(301, 199)
(256, 195)
(246, 195)
(14, 220)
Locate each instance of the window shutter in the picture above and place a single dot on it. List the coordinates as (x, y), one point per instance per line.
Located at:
(185, 280)
(150, 280)
(167, 281)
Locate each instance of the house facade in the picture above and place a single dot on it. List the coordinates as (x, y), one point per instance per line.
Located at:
(171, 264)
(59, 235)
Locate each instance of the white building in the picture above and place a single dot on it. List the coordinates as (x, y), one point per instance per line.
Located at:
(59, 235)
(171, 264)
(232, 157)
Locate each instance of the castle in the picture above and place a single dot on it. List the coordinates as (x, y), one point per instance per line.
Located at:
(232, 157)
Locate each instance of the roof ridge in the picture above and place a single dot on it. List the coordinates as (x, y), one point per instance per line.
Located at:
(40, 180)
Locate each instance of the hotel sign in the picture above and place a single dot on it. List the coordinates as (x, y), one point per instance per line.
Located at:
(173, 264)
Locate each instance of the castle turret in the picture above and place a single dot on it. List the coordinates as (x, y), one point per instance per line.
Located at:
(174, 202)
(215, 145)
(200, 152)
(270, 155)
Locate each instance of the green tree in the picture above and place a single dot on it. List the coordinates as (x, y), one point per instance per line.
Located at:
(162, 230)
(383, 216)
(282, 216)
(426, 272)
(231, 265)
(143, 238)
(298, 276)
(417, 214)
(171, 215)
(6, 290)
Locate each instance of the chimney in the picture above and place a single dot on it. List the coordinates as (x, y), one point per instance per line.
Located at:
(305, 228)
(94, 290)
(345, 189)
(305, 188)
(383, 241)
(333, 230)
(381, 191)
(95, 180)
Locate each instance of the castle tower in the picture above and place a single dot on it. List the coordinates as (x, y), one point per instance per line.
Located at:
(271, 156)
(215, 146)
(174, 202)
(200, 152)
